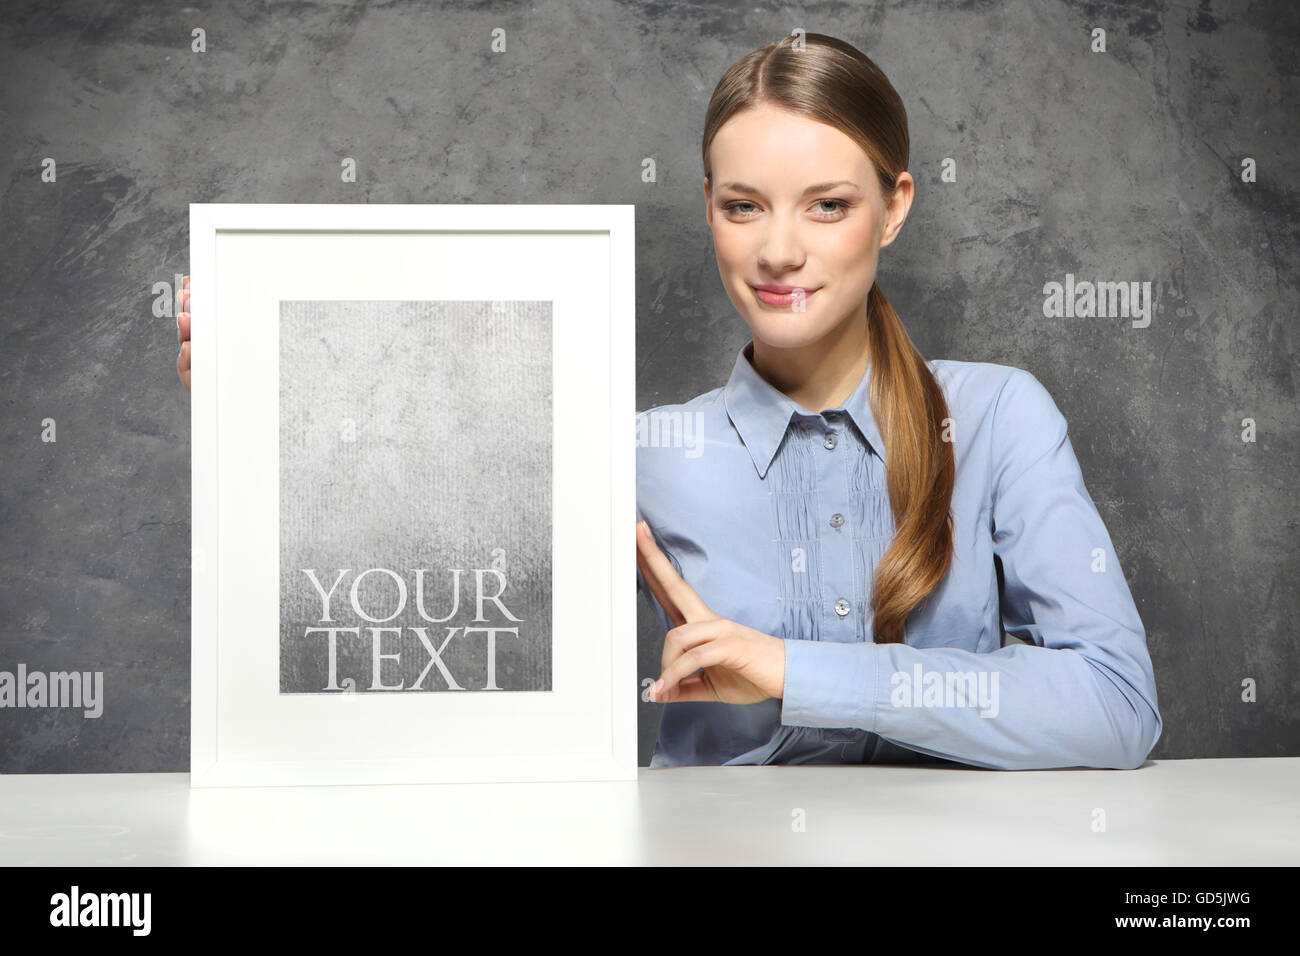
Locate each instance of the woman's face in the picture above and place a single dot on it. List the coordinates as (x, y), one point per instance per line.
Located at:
(797, 203)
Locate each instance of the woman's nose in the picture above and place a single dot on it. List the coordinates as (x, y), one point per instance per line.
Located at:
(781, 248)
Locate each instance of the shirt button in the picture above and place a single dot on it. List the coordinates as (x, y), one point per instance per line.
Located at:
(837, 519)
(829, 441)
(842, 607)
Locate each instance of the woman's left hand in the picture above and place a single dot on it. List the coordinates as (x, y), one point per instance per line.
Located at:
(736, 664)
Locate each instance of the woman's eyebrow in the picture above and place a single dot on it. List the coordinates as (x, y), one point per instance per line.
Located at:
(814, 188)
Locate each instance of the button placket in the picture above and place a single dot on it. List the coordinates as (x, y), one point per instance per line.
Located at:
(836, 542)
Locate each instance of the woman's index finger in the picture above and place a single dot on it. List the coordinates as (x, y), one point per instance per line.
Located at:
(679, 593)
(656, 589)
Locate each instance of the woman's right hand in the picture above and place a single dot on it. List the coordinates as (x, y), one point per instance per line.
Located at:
(183, 332)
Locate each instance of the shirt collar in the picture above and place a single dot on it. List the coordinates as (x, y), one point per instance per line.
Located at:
(761, 412)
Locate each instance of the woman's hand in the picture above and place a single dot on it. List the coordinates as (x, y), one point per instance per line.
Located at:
(736, 664)
(183, 332)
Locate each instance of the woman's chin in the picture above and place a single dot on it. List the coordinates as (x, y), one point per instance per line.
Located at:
(792, 333)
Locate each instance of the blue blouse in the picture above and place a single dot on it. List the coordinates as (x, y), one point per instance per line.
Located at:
(777, 516)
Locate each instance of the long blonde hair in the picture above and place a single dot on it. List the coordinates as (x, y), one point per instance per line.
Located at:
(833, 82)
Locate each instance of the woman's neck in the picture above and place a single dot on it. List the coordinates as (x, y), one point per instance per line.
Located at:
(820, 375)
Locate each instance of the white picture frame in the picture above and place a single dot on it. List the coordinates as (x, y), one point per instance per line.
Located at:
(246, 261)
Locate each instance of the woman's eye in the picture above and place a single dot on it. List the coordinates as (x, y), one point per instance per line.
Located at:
(731, 207)
(838, 205)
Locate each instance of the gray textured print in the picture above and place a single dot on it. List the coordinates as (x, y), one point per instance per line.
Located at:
(415, 496)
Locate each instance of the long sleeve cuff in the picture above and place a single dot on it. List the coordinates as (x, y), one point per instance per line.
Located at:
(829, 684)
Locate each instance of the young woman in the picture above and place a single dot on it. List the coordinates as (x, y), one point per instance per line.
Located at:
(836, 539)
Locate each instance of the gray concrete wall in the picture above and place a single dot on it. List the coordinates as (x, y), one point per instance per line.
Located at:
(1122, 165)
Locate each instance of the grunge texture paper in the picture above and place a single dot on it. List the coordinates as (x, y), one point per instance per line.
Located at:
(415, 496)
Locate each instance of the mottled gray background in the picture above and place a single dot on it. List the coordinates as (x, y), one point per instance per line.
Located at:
(416, 435)
(1122, 165)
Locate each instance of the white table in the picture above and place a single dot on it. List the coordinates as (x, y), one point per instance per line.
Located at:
(1170, 812)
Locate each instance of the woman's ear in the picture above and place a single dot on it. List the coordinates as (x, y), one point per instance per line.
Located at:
(897, 207)
(708, 203)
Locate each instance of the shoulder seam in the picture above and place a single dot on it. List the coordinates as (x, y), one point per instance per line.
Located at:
(703, 396)
(993, 424)
(1030, 467)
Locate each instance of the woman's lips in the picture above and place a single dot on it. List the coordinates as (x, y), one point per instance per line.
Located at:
(782, 296)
